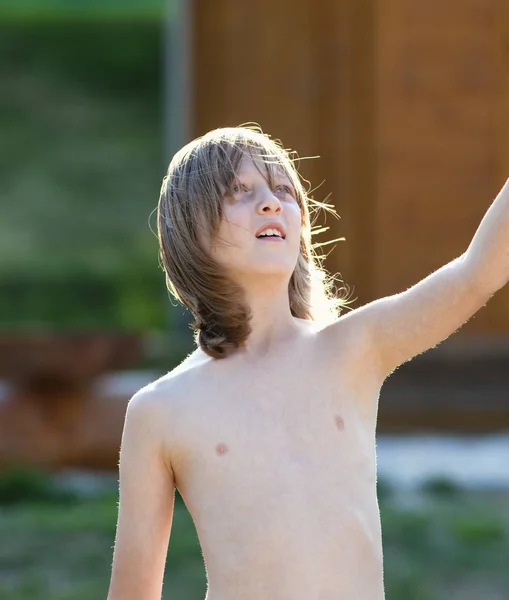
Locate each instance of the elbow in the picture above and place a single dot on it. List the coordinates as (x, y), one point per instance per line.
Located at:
(483, 278)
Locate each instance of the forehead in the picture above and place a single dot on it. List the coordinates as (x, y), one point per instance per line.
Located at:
(256, 165)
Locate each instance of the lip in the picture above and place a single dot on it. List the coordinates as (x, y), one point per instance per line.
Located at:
(272, 225)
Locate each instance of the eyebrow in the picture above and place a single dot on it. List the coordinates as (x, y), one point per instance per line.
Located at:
(283, 176)
(280, 174)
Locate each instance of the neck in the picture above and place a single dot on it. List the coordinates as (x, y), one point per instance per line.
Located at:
(271, 321)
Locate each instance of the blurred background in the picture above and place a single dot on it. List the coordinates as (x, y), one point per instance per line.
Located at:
(406, 105)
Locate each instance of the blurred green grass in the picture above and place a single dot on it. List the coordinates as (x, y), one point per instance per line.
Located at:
(449, 548)
(81, 163)
(65, 552)
(65, 9)
(441, 548)
(81, 158)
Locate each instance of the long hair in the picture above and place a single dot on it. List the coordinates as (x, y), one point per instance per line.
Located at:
(190, 207)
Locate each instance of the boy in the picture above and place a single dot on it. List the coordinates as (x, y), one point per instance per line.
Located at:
(268, 428)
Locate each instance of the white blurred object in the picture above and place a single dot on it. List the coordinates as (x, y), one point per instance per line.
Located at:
(123, 384)
(472, 461)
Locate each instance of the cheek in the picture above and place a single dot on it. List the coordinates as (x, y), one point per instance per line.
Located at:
(297, 220)
(294, 212)
(235, 226)
(229, 241)
(230, 234)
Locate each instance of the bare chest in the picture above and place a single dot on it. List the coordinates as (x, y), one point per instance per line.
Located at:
(278, 471)
(257, 437)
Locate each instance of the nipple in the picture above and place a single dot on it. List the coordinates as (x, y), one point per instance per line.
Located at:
(221, 449)
(340, 424)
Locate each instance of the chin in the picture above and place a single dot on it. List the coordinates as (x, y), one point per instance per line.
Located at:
(275, 269)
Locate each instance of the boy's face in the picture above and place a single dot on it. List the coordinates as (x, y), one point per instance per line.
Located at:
(252, 208)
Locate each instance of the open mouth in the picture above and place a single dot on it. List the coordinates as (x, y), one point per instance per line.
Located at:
(271, 233)
(271, 238)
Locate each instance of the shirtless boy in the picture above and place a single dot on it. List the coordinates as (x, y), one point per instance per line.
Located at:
(268, 428)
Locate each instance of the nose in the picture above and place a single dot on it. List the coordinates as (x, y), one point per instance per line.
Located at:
(269, 203)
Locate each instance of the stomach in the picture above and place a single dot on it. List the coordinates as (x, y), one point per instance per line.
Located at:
(310, 556)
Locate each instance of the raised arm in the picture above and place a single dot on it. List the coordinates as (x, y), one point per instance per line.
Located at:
(145, 507)
(400, 327)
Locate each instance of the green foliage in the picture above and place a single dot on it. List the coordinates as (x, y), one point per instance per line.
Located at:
(442, 487)
(22, 485)
(84, 300)
(409, 585)
(411, 530)
(113, 58)
(446, 546)
(384, 489)
(481, 531)
(81, 164)
(79, 9)
(66, 554)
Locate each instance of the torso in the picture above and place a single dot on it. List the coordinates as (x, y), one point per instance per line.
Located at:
(275, 460)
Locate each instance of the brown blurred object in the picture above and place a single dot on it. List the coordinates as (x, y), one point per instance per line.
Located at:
(455, 388)
(50, 416)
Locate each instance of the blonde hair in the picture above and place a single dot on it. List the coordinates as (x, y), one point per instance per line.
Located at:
(190, 206)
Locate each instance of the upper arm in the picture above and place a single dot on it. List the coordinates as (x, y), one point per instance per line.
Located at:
(146, 502)
(401, 326)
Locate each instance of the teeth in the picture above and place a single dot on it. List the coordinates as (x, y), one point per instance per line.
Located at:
(269, 231)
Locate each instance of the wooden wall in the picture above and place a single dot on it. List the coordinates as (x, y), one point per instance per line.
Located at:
(442, 131)
(306, 76)
(405, 101)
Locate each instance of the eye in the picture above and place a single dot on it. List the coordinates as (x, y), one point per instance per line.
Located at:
(238, 187)
(285, 189)
(232, 190)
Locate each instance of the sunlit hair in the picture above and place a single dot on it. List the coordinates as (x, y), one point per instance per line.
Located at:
(190, 210)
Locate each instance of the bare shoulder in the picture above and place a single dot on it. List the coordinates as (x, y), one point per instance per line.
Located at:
(166, 393)
(147, 476)
(348, 345)
(349, 332)
(159, 408)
